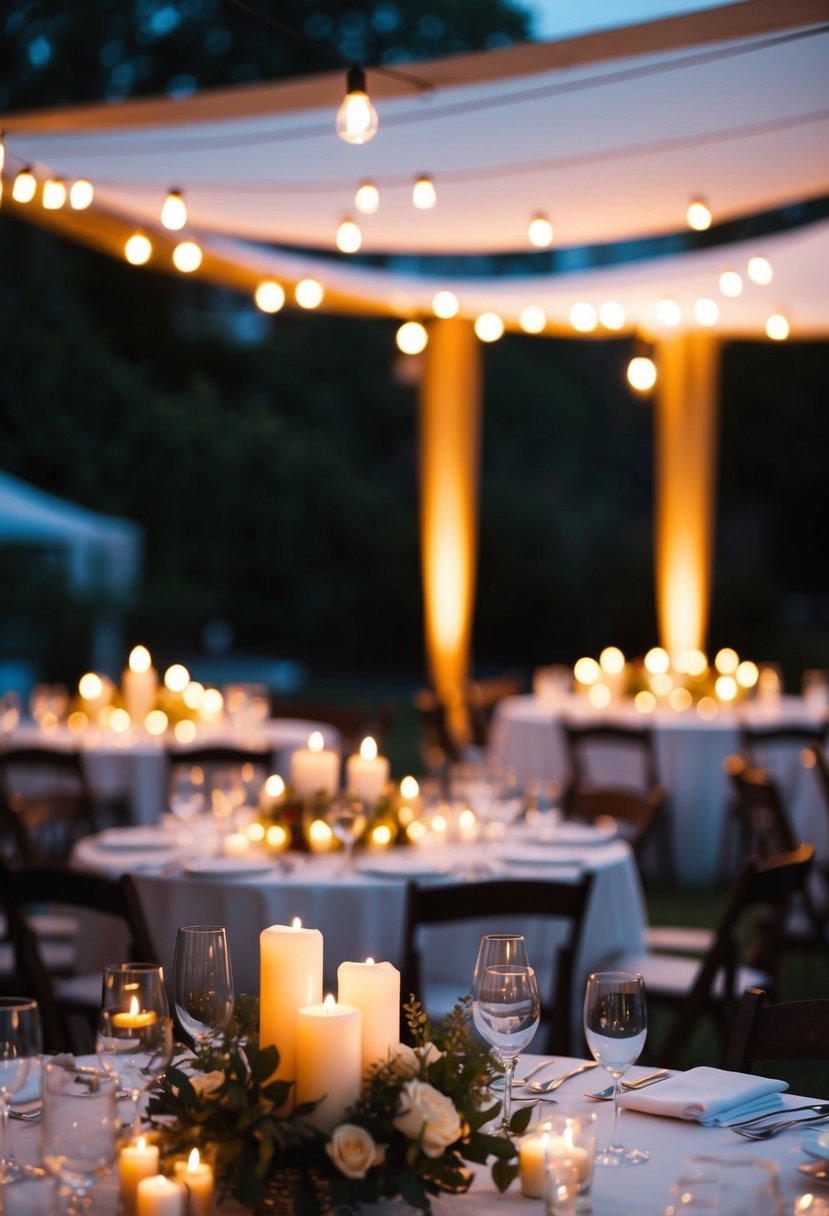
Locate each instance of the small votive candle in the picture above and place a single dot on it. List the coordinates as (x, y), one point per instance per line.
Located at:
(570, 1152)
(160, 1196)
(135, 1161)
(532, 1164)
(197, 1177)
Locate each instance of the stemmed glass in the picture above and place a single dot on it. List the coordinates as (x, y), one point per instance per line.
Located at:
(20, 1045)
(135, 1030)
(187, 794)
(347, 819)
(203, 982)
(506, 1007)
(78, 1127)
(616, 1026)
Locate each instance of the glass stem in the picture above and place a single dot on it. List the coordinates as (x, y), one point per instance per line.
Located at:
(5, 1154)
(506, 1113)
(617, 1089)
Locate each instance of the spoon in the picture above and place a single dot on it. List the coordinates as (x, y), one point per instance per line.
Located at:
(604, 1095)
(498, 1083)
(547, 1087)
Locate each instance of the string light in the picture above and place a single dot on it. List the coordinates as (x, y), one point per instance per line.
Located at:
(540, 231)
(489, 327)
(445, 304)
(731, 284)
(583, 317)
(698, 215)
(367, 198)
(356, 121)
(760, 271)
(668, 313)
(187, 257)
(641, 373)
(532, 319)
(81, 194)
(706, 312)
(308, 293)
(269, 296)
(174, 211)
(777, 327)
(424, 195)
(612, 315)
(412, 338)
(349, 236)
(54, 193)
(25, 186)
(138, 249)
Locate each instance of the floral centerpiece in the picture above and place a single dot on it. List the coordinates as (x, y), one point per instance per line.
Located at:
(415, 1127)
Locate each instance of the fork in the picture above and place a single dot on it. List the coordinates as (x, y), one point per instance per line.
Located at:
(547, 1087)
(766, 1133)
(819, 1108)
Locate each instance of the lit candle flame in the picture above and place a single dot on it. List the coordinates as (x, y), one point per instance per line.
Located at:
(193, 1161)
(140, 659)
(296, 923)
(329, 1004)
(368, 748)
(315, 742)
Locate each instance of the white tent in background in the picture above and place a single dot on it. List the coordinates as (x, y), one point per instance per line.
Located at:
(102, 553)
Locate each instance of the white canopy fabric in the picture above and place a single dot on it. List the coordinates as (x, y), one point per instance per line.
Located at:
(609, 133)
(101, 552)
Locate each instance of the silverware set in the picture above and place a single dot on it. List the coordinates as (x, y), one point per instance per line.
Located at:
(780, 1120)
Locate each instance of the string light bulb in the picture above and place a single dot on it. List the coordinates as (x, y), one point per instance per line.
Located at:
(138, 249)
(356, 121)
(532, 319)
(445, 304)
(489, 327)
(706, 312)
(669, 313)
(81, 194)
(583, 317)
(54, 193)
(424, 195)
(641, 372)
(174, 211)
(612, 315)
(25, 186)
(777, 327)
(187, 257)
(698, 215)
(760, 271)
(540, 231)
(269, 296)
(367, 198)
(731, 284)
(349, 236)
(412, 338)
(309, 293)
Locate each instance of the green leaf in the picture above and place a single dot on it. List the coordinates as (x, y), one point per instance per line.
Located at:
(520, 1121)
(503, 1173)
(413, 1191)
(497, 1146)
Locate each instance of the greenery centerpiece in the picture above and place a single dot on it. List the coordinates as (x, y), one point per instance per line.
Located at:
(413, 1132)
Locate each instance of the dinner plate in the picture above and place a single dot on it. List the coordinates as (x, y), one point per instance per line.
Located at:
(406, 868)
(532, 855)
(580, 834)
(228, 867)
(815, 1142)
(144, 840)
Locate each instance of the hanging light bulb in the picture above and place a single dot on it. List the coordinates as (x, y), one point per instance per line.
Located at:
(669, 313)
(532, 319)
(54, 193)
(489, 327)
(411, 338)
(25, 186)
(269, 296)
(698, 215)
(706, 312)
(174, 211)
(612, 314)
(81, 194)
(187, 257)
(424, 196)
(641, 372)
(445, 304)
(731, 284)
(138, 249)
(367, 198)
(583, 317)
(349, 236)
(777, 327)
(357, 120)
(309, 293)
(540, 231)
(760, 271)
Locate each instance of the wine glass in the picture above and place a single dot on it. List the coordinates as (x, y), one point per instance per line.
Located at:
(187, 794)
(506, 1010)
(498, 948)
(135, 1030)
(20, 1045)
(78, 1126)
(616, 1026)
(347, 819)
(203, 982)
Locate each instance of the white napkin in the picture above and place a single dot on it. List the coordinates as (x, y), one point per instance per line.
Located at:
(708, 1095)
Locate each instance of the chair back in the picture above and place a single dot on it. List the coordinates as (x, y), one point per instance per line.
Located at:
(439, 747)
(764, 821)
(481, 697)
(793, 1030)
(629, 748)
(246, 767)
(45, 803)
(353, 721)
(489, 902)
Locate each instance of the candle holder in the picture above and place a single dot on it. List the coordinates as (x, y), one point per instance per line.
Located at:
(569, 1158)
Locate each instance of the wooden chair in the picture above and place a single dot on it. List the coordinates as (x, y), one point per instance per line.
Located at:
(45, 804)
(253, 765)
(69, 1005)
(714, 984)
(794, 1030)
(481, 697)
(439, 747)
(759, 743)
(640, 809)
(490, 902)
(353, 721)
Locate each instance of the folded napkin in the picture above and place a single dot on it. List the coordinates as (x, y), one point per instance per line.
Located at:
(708, 1095)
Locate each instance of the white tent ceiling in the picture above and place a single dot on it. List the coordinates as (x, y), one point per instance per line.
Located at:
(609, 133)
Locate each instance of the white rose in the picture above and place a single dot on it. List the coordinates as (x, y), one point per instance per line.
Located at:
(353, 1150)
(424, 1109)
(406, 1060)
(207, 1083)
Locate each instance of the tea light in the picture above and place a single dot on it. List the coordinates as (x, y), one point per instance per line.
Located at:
(532, 1164)
(290, 960)
(315, 768)
(136, 1018)
(374, 989)
(160, 1196)
(139, 682)
(328, 1057)
(135, 1161)
(367, 774)
(197, 1177)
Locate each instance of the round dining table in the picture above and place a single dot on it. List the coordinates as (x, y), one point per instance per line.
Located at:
(527, 735)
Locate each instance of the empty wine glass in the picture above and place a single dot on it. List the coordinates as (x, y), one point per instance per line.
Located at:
(187, 793)
(20, 1044)
(203, 982)
(347, 819)
(506, 1010)
(135, 1030)
(616, 1026)
(498, 948)
(78, 1126)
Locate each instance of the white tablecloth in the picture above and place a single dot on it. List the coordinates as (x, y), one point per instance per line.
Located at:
(527, 735)
(134, 765)
(642, 1191)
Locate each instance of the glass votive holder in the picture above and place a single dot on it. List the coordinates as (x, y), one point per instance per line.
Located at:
(569, 1156)
(748, 1186)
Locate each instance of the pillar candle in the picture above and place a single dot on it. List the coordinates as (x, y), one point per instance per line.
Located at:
(367, 774)
(290, 959)
(139, 682)
(532, 1165)
(329, 1055)
(197, 1177)
(374, 989)
(159, 1196)
(135, 1161)
(315, 768)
